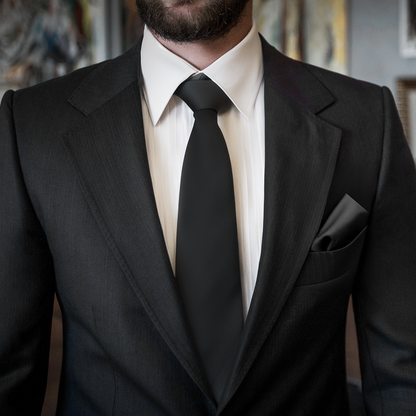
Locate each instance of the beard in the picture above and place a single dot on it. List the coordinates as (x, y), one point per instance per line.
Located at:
(184, 21)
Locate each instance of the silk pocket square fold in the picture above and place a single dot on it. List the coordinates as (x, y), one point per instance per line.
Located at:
(343, 224)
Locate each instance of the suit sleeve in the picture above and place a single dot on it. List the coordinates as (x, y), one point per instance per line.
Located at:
(26, 284)
(385, 291)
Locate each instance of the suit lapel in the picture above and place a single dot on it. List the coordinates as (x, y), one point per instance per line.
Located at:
(108, 153)
(301, 152)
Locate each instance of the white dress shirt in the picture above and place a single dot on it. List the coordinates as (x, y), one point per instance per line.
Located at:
(168, 123)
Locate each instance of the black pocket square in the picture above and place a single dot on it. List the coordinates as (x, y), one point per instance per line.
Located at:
(344, 223)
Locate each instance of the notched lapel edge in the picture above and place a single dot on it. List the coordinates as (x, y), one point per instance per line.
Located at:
(107, 80)
(300, 157)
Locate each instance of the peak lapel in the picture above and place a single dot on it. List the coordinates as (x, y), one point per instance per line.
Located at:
(108, 153)
(300, 157)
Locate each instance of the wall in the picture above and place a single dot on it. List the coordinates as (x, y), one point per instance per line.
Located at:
(374, 43)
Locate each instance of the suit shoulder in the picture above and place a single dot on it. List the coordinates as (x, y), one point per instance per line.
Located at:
(295, 74)
(46, 105)
(346, 87)
(60, 89)
(85, 89)
(54, 90)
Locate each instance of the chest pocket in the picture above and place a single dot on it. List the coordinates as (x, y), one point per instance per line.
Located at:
(322, 266)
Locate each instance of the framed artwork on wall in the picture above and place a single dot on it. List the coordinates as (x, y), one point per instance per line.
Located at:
(406, 103)
(42, 39)
(407, 28)
(314, 31)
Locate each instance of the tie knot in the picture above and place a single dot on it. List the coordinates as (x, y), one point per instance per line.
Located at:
(202, 94)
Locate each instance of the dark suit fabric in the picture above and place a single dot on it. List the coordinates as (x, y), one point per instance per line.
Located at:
(78, 216)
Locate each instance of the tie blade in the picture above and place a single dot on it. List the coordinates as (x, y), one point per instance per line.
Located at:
(207, 256)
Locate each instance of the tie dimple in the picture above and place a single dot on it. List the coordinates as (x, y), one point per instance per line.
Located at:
(202, 93)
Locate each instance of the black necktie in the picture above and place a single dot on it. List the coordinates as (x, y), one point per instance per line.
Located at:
(207, 260)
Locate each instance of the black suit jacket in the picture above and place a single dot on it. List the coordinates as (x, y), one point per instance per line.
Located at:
(78, 216)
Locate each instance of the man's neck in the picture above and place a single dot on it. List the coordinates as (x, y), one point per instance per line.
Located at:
(201, 54)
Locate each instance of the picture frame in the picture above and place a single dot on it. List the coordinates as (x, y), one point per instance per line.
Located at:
(407, 28)
(406, 104)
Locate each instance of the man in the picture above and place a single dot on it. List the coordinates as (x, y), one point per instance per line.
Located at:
(325, 197)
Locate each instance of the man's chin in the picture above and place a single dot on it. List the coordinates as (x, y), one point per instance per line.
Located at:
(186, 21)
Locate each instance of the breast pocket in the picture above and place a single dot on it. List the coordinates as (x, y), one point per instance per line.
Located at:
(323, 266)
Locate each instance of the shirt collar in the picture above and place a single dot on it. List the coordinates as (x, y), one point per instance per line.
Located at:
(238, 73)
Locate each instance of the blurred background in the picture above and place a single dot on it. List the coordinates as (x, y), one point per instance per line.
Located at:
(42, 39)
(373, 40)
